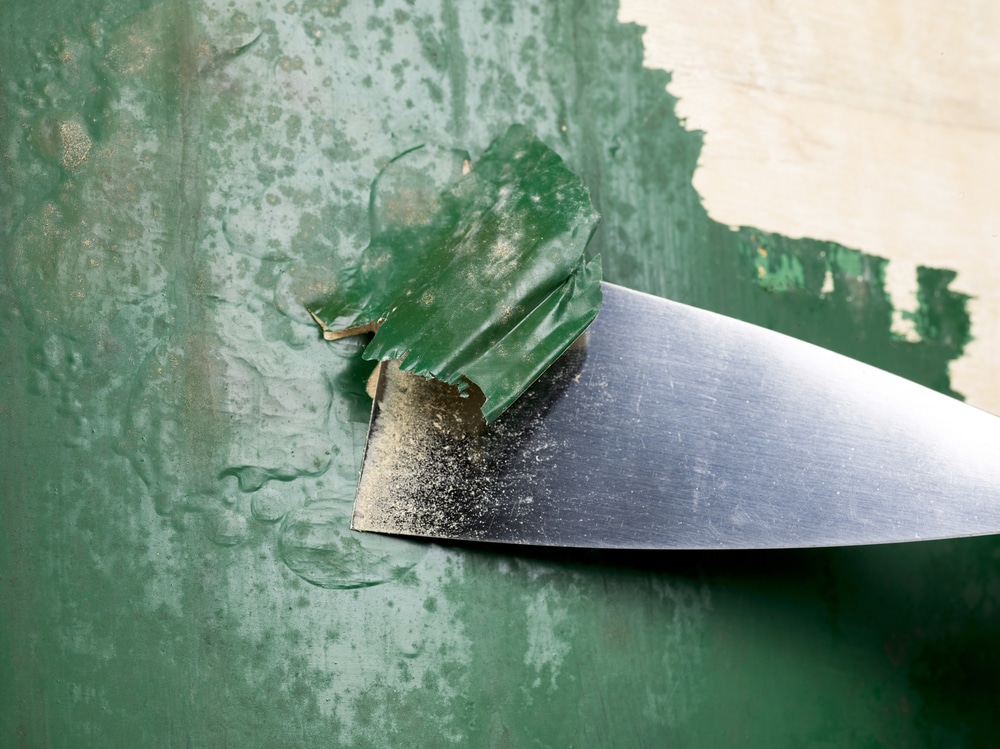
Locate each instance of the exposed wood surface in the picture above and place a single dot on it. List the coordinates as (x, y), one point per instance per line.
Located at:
(873, 124)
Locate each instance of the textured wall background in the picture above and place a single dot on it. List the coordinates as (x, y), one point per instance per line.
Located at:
(180, 448)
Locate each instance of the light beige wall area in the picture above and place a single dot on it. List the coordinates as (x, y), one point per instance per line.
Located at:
(874, 124)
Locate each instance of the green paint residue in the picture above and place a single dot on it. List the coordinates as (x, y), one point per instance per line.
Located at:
(778, 273)
(941, 317)
(845, 262)
(781, 264)
(168, 207)
(477, 277)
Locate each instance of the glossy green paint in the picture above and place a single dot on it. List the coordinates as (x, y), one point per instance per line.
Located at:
(476, 277)
(179, 447)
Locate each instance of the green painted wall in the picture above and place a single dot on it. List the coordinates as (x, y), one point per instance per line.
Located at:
(179, 448)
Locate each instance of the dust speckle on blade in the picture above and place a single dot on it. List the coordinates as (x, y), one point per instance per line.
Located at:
(674, 428)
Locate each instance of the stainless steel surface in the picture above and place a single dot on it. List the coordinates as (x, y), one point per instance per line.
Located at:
(675, 428)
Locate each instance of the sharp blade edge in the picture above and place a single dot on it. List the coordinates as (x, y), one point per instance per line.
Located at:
(669, 427)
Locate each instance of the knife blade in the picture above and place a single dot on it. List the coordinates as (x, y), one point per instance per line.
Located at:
(670, 427)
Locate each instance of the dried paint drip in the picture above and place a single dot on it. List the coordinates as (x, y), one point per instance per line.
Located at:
(316, 544)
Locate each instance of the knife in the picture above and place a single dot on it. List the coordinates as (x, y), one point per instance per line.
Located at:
(669, 427)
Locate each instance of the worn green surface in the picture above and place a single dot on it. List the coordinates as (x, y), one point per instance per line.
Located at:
(476, 277)
(180, 448)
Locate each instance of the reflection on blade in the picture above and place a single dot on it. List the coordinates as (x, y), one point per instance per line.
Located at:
(668, 427)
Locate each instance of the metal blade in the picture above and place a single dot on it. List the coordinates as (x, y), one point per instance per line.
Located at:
(668, 427)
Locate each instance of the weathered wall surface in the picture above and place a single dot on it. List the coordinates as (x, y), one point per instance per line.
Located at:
(179, 448)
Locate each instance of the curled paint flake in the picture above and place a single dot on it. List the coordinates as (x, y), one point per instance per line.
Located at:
(473, 276)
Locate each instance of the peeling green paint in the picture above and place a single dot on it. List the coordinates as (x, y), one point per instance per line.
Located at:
(473, 277)
(782, 273)
(805, 279)
(175, 432)
(942, 316)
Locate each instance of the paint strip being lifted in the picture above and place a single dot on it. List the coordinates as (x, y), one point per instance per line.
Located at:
(473, 276)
